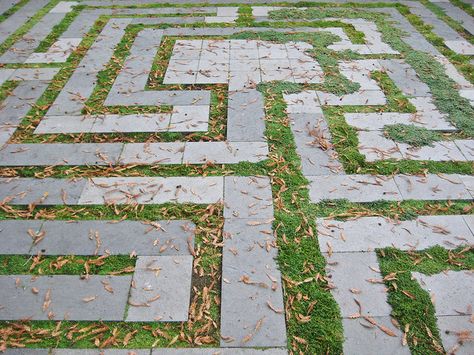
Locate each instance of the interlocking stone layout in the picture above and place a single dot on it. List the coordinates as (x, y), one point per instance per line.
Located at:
(147, 105)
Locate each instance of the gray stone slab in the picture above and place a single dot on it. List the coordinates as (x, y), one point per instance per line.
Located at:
(468, 181)
(469, 219)
(153, 190)
(314, 144)
(357, 272)
(252, 311)
(220, 351)
(370, 340)
(245, 117)
(158, 98)
(63, 297)
(432, 187)
(453, 331)
(247, 197)
(60, 154)
(355, 188)
(48, 191)
(466, 146)
(96, 237)
(451, 292)
(405, 78)
(7, 5)
(225, 152)
(100, 352)
(458, 15)
(152, 153)
(368, 233)
(26, 351)
(161, 289)
(461, 46)
(438, 151)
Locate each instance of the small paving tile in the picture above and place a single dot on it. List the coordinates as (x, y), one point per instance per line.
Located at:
(60, 154)
(48, 191)
(303, 102)
(189, 118)
(225, 152)
(375, 146)
(461, 47)
(452, 330)
(422, 233)
(451, 292)
(468, 181)
(96, 237)
(152, 190)
(247, 197)
(161, 289)
(252, 311)
(63, 297)
(432, 187)
(361, 337)
(355, 188)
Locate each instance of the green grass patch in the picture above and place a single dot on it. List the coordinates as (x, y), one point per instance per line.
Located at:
(412, 135)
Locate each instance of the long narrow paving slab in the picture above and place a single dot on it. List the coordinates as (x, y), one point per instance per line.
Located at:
(96, 237)
(63, 297)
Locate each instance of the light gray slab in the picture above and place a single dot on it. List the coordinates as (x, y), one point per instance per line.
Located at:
(96, 237)
(355, 188)
(70, 297)
(225, 152)
(452, 330)
(432, 187)
(468, 181)
(245, 117)
(358, 272)
(438, 151)
(161, 289)
(220, 351)
(48, 191)
(26, 351)
(370, 340)
(100, 352)
(451, 291)
(152, 153)
(153, 190)
(251, 286)
(405, 78)
(247, 197)
(368, 233)
(60, 154)
(466, 146)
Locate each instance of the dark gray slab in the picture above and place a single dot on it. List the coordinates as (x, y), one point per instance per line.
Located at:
(251, 286)
(48, 191)
(63, 297)
(247, 197)
(161, 289)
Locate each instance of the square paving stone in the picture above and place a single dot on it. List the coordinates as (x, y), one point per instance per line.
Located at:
(375, 146)
(161, 289)
(247, 197)
(357, 272)
(451, 330)
(370, 340)
(15, 237)
(355, 188)
(252, 313)
(432, 187)
(48, 191)
(63, 297)
(466, 146)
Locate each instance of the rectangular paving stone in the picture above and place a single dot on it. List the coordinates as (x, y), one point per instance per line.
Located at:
(100, 352)
(451, 331)
(371, 97)
(355, 188)
(48, 191)
(152, 153)
(152, 190)
(61, 297)
(189, 118)
(369, 339)
(225, 152)
(303, 102)
(438, 151)
(247, 197)
(405, 78)
(59, 51)
(460, 46)
(374, 146)
(220, 351)
(451, 291)
(432, 187)
(64, 6)
(161, 289)
(96, 237)
(422, 233)
(252, 311)
(60, 154)
(245, 117)
(466, 146)
(26, 351)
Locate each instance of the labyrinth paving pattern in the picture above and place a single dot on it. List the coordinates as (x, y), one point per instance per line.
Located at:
(263, 177)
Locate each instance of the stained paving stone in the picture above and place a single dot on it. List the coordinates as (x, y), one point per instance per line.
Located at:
(245, 117)
(355, 188)
(63, 297)
(432, 187)
(247, 197)
(161, 289)
(96, 237)
(48, 191)
(422, 233)
(224, 152)
(60, 154)
(252, 311)
(152, 190)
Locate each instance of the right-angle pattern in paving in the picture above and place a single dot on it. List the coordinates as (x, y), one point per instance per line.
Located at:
(153, 171)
